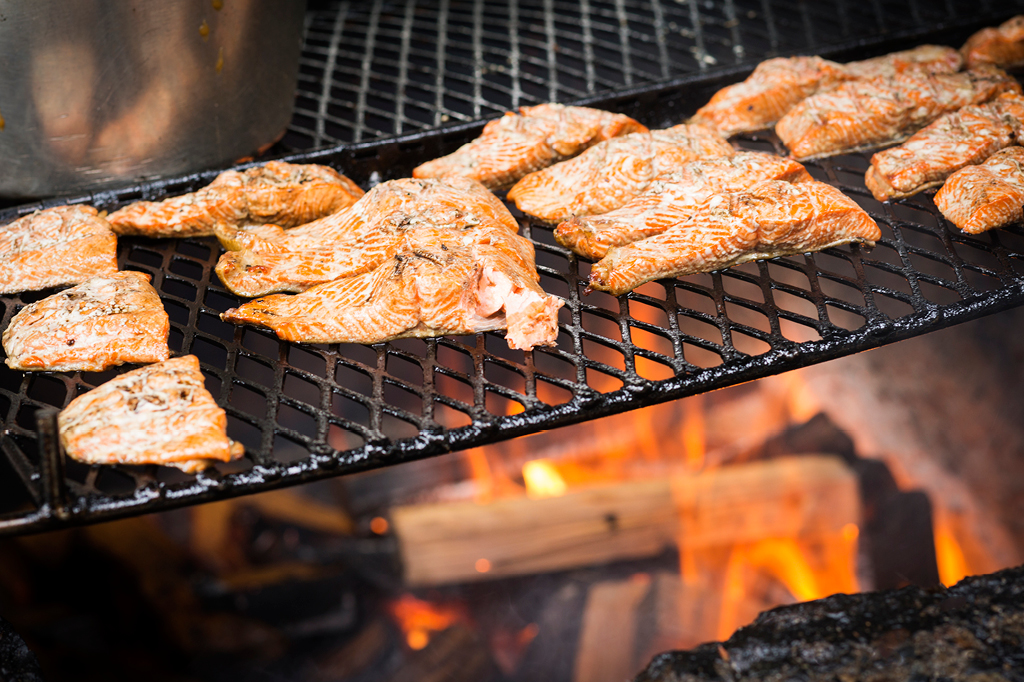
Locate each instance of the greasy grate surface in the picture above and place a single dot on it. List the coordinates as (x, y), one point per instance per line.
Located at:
(306, 411)
(387, 67)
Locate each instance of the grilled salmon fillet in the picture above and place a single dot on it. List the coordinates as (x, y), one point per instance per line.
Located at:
(103, 322)
(672, 198)
(536, 137)
(157, 414)
(986, 196)
(55, 247)
(965, 137)
(777, 85)
(440, 268)
(612, 172)
(773, 218)
(268, 259)
(864, 113)
(927, 58)
(1002, 46)
(281, 193)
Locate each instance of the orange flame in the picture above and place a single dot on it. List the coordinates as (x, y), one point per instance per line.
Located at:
(693, 432)
(419, 619)
(949, 555)
(543, 480)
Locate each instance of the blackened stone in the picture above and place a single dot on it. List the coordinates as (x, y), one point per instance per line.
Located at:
(972, 631)
(17, 662)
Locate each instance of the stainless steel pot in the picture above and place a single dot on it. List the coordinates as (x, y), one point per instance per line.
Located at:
(96, 93)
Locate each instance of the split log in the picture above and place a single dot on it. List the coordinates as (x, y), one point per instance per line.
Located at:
(972, 631)
(606, 647)
(465, 541)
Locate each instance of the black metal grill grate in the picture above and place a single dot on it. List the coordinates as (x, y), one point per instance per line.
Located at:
(309, 411)
(373, 69)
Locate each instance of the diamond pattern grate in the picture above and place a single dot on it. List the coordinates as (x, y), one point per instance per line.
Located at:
(310, 411)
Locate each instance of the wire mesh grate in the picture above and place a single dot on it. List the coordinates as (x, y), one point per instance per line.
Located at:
(308, 411)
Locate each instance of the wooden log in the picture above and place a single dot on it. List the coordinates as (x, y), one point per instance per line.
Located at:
(465, 541)
(607, 638)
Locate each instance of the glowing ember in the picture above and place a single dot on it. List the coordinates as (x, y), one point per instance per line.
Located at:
(379, 525)
(419, 619)
(542, 479)
(482, 565)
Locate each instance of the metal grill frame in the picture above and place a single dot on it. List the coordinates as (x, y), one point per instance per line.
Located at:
(987, 277)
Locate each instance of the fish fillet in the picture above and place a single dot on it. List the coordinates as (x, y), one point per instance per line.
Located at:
(883, 110)
(777, 85)
(281, 193)
(268, 259)
(986, 196)
(55, 247)
(157, 414)
(1002, 46)
(965, 137)
(773, 218)
(612, 172)
(536, 137)
(671, 199)
(103, 322)
(443, 269)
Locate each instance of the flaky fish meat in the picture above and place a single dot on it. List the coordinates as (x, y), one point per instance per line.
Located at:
(444, 271)
(268, 259)
(980, 198)
(777, 85)
(280, 193)
(773, 218)
(612, 172)
(965, 137)
(1002, 46)
(864, 113)
(55, 247)
(672, 198)
(536, 137)
(157, 414)
(105, 321)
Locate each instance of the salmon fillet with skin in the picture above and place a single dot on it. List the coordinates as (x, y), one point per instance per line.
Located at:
(270, 260)
(671, 199)
(101, 323)
(612, 172)
(536, 137)
(979, 198)
(157, 414)
(771, 219)
(281, 193)
(884, 110)
(1002, 46)
(445, 267)
(963, 138)
(55, 247)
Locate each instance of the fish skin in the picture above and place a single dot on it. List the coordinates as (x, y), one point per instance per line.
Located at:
(983, 197)
(964, 137)
(444, 261)
(777, 85)
(157, 414)
(356, 240)
(281, 193)
(1002, 46)
(672, 198)
(864, 113)
(103, 322)
(612, 172)
(55, 247)
(771, 219)
(516, 144)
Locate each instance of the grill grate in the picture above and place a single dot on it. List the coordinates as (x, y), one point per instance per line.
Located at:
(310, 411)
(374, 69)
